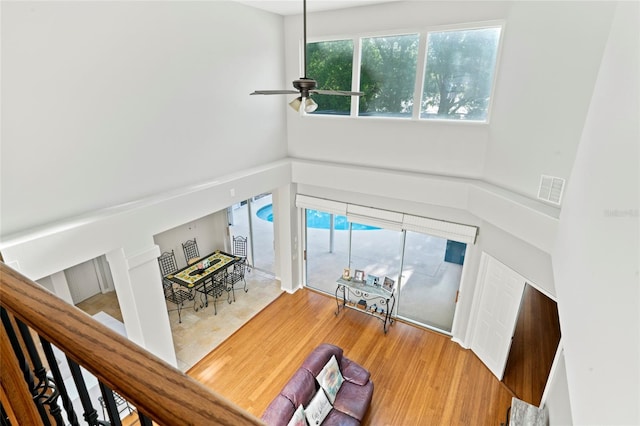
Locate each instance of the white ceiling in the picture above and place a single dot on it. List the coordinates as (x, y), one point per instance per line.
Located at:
(294, 7)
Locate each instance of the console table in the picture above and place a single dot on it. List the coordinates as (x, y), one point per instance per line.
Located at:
(382, 309)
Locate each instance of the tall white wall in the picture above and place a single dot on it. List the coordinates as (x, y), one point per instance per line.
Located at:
(108, 102)
(597, 252)
(546, 72)
(550, 59)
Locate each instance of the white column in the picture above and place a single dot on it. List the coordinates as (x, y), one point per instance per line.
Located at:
(138, 284)
(286, 238)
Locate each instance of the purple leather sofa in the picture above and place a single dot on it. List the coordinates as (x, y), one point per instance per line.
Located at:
(352, 401)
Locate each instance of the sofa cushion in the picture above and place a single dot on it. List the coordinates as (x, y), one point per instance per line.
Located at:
(353, 399)
(300, 388)
(330, 378)
(319, 357)
(318, 408)
(279, 411)
(338, 418)
(354, 372)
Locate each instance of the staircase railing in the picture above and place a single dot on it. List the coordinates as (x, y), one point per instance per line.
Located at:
(32, 394)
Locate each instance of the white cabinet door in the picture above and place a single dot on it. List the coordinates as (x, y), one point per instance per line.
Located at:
(501, 293)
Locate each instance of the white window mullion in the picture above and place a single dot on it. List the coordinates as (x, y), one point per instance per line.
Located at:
(355, 75)
(419, 83)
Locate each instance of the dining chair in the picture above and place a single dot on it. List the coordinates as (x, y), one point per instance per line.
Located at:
(240, 249)
(191, 253)
(234, 277)
(173, 293)
(214, 288)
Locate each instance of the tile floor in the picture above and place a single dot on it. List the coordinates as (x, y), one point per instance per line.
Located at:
(201, 331)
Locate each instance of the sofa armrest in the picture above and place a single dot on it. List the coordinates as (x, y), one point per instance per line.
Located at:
(354, 372)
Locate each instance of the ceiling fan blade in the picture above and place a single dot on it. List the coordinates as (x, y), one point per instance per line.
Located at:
(336, 92)
(275, 92)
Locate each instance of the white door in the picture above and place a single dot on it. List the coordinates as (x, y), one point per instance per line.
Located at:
(83, 281)
(501, 293)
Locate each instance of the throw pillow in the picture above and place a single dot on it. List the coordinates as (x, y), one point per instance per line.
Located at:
(298, 418)
(318, 408)
(330, 378)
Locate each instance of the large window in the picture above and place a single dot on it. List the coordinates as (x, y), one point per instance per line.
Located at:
(459, 74)
(453, 82)
(388, 74)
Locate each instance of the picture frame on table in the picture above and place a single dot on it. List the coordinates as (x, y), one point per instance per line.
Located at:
(346, 274)
(388, 284)
(358, 275)
(373, 281)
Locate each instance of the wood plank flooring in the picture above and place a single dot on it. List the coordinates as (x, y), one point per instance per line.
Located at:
(533, 347)
(420, 377)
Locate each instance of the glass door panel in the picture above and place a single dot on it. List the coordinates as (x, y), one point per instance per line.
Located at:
(431, 274)
(376, 251)
(327, 239)
(238, 217)
(262, 246)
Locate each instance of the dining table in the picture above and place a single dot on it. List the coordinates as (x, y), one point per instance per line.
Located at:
(205, 276)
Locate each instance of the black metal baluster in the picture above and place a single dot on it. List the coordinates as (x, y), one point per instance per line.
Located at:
(110, 404)
(46, 387)
(61, 387)
(144, 420)
(90, 413)
(24, 365)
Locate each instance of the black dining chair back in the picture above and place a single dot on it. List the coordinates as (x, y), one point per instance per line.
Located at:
(167, 262)
(173, 293)
(240, 249)
(234, 277)
(191, 253)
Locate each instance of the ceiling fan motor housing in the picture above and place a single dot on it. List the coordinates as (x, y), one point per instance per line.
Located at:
(304, 85)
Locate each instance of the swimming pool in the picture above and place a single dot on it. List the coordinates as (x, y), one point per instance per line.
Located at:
(317, 219)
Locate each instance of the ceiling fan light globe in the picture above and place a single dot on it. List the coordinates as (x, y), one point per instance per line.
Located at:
(310, 105)
(295, 104)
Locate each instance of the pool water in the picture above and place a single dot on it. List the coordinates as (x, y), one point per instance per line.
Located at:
(317, 219)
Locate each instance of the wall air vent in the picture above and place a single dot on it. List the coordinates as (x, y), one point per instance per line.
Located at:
(551, 189)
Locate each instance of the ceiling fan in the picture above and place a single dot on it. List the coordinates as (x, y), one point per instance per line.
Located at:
(305, 86)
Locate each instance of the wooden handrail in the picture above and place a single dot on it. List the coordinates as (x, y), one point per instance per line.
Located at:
(160, 391)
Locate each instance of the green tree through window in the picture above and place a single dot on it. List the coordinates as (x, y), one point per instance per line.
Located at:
(459, 73)
(330, 64)
(388, 74)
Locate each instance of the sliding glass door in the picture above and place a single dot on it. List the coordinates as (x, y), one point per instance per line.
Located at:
(426, 269)
(431, 273)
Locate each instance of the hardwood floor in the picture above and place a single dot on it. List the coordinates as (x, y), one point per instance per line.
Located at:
(420, 377)
(533, 347)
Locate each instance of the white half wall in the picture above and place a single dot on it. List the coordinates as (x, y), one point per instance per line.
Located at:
(104, 103)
